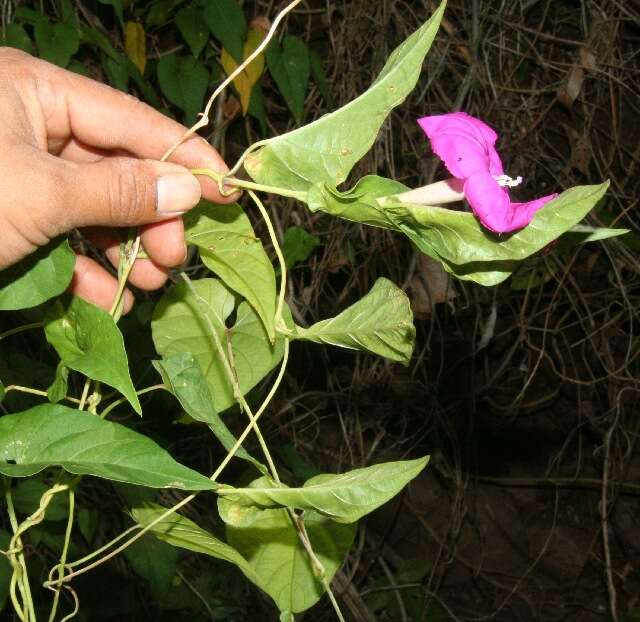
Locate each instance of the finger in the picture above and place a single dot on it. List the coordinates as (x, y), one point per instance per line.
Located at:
(105, 118)
(145, 274)
(93, 283)
(164, 242)
(75, 151)
(115, 192)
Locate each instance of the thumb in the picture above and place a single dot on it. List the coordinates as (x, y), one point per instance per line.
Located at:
(120, 192)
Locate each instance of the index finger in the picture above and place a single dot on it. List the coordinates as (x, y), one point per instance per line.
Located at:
(105, 118)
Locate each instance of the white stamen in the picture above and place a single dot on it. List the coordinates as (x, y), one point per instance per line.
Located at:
(508, 182)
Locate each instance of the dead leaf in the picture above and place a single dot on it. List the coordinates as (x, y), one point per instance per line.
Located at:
(429, 286)
(572, 87)
(135, 44)
(231, 108)
(247, 79)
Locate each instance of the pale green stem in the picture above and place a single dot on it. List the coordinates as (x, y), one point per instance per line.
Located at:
(15, 387)
(223, 180)
(250, 149)
(18, 563)
(20, 329)
(279, 255)
(63, 556)
(122, 400)
(85, 394)
(142, 530)
(128, 254)
(237, 392)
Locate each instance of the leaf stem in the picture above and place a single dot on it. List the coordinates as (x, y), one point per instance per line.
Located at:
(122, 400)
(19, 577)
(228, 366)
(63, 556)
(222, 179)
(142, 530)
(16, 387)
(20, 329)
(278, 250)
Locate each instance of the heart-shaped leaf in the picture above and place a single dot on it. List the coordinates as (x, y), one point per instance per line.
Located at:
(229, 247)
(87, 339)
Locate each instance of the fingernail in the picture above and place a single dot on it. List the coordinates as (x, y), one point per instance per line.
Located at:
(177, 193)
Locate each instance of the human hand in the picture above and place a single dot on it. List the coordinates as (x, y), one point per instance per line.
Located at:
(75, 153)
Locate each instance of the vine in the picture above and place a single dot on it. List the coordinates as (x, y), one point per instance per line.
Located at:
(306, 165)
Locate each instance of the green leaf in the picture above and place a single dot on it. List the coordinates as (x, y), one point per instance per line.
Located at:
(2, 392)
(319, 76)
(57, 43)
(192, 27)
(257, 108)
(184, 81)
(184, 533)
(344, 498)
(66, 12)
(381, 323)
(183, 377)
(16, 36)
(117, 73)
(117, 7)
(87, 340)
(327, 149)
(178, 326)
(229, 247)
(290, 67)
(58, 388)
(471, 252)
(584, 234)
(297, 245)
(155, 561)
(272, 547)
(84, 444)
(228, 24)
(360, 204)
(44, 274)
(159, 12)
(93, 37)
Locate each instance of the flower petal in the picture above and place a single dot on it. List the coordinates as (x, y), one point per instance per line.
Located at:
(465, 144)
(523, 213)
(489, 201)
(491, 204)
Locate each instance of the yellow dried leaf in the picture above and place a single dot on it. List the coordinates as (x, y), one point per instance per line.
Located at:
(135, 44)
(247, 79)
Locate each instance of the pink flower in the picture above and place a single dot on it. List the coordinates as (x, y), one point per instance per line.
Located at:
(466, 146)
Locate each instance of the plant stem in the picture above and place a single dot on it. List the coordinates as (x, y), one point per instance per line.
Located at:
(16, 387)
(278, 250)
(222, 180)
(122, 400)
(63, 556)
(20, 329)
(237, 392)
(19, 576)
(142, 530)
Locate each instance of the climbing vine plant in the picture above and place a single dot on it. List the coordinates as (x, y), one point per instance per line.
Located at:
(218, 336)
